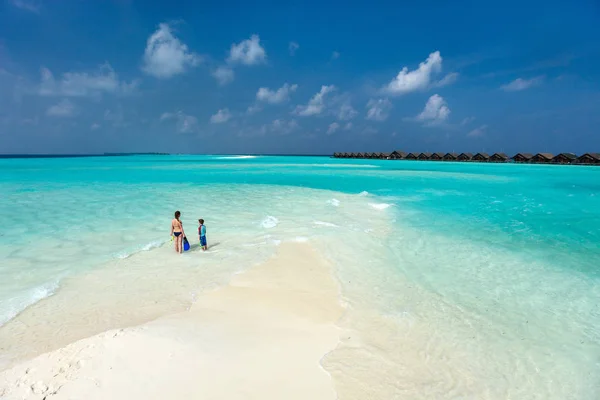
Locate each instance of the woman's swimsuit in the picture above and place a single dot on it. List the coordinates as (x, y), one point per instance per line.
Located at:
(176, 233)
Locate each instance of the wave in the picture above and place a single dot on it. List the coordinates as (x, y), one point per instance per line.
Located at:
(234, 157)
(147, 247)
(379, 206)
(14, 306)
(269, 222)
(334, 202)
(322, 223)
(363, 193)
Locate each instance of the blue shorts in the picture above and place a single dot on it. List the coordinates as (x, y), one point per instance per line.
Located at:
(202, 240)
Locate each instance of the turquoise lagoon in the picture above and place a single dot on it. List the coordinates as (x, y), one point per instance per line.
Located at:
(460, 281)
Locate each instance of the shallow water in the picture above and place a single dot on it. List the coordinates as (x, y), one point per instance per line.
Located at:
(460, 280)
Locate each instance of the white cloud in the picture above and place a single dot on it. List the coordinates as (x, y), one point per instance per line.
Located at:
(166, 56)
(467, 121)
(278, 96)
(223, 115)
(280, 126)
(248, 52)
(184, 123)
(522, 84)
(63, 109)
(81, 84)
(335, 55)
(316, 105)
(293, 47)
(378, 110)
(449, 79)
(347, 112)
(94, 126)
(27, 5)
(253, 109)
(421, 78)
(223, 75)
(480, 131)
(333, 127)
(435, 112)
(348, 126)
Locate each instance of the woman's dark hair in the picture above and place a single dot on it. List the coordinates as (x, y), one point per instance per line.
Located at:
(177, 214)
(201, 221)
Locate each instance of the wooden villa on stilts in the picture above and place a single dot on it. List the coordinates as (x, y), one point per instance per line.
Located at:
(499, 158)
(588, 159)
(465, 157)
(450, 157)
(564, 158)
(542, 158)
(522, 158)
(481, 157)
(437, 157)
(424, 156)
(411, 156)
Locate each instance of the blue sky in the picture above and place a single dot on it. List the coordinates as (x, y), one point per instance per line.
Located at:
(299, 76)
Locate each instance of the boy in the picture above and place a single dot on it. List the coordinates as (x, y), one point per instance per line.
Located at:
(202, 234)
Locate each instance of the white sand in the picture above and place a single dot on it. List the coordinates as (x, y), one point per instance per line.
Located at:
(261, 337)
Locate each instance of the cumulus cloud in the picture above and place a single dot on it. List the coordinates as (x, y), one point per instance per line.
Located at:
(63, 109)
(82, 84)
(335, 55)
(347, 112)
(166, 56)
(223, 115)
(435, 112)
(94, 126)
(333, 127)
(282, 127)
(293, 47)
(248, 52)
(522, 84)
(479, 131)
(421, 78)
(348, 126)
(278, 96)
(467, 121)
(378, 109)
(253, 109)
(316, 105)
(27, 5)
(184, 123)
(223, 75)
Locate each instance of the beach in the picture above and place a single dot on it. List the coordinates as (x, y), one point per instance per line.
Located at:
(324, 279)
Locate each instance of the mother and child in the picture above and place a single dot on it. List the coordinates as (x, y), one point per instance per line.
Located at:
(178, 233)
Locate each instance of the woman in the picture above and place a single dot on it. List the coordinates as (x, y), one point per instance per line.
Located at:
(177, 231)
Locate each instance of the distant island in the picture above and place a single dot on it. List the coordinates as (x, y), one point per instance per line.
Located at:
(522, 158)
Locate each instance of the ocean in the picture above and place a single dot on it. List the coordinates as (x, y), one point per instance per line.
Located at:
(460, 280)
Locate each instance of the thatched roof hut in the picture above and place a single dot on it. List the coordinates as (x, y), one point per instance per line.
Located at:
(465, 157)
(589, 158)
(450, 157)
(397, 155)
(424, 156)
(564, 158)
(481, 157)
(384, 156)
(522, 157)
(499, 157)
(542, 158)
(437, 156)
(411, 156)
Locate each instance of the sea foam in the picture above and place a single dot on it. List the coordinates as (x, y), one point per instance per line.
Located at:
(269, 222)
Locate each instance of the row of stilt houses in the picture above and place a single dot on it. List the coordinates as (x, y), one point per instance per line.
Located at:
(540, 158)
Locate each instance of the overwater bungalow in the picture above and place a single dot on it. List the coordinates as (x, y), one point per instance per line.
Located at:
(424, 156)
(542, 158)
(499, 158)
(589, 159)
(450, 157)
(481, 157)
(360, 155)
(465, 157)
(411, 156)
(384, 156)
(564, 158)
(437, 157)
(522, 157)
(352, 155)
(397, 155)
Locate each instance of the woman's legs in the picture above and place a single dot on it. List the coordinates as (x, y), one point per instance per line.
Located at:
(176, 243)
(179, 244)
